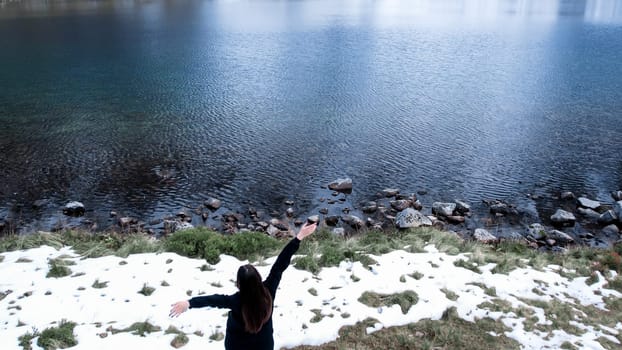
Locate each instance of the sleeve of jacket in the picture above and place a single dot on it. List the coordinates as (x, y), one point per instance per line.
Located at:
(215, 300)
(282, 262)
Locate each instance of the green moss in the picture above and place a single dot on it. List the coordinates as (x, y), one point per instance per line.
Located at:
(467, 265)
(450, 294)
(405, 299)
(138, 328)
(58, 269)
(217, 336)
(146, 290)
(60, 337)
(97, 284)
(179, 341)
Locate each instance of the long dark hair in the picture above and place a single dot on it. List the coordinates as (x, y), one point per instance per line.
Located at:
(256, 300)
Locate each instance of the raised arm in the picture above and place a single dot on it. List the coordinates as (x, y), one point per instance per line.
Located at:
(285, 257)
(215, 300)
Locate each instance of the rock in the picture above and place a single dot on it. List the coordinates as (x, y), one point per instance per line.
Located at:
(515, 236)
(462, 207)
(339, 231)
(562, 217)
(588, 203)
(174, 226)
(341, 185)
(263, 225)
(353, 221)
(607, 217)
(617, 209)
(323, 211)
(536, 231)
(40, 203)
(443, 209)
(213, 203)
(345, 210)
(370, 207)
(124, 221)
(331, 220)
(455, 219)
(611, 230)
(289, 212)
(279, 224)
(400, 204)
(289, 202)
(559, 237)
(410, 217)
(390, 192)
(550, 242)
(182, 214)
(113, 214)
(272, 230)
(566, 195)
(484, 236)
(617, 195)
(422, 192)
(74, 209)
(589, 213)
(502, 208)
(417, 205)
(314, 219)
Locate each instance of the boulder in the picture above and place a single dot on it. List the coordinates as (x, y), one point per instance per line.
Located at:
(562, 217)
(617, 209)
(213, 203)
(455, 219)
(353, 221)
(417, 205)
(125, 221)
(484, 236)
(341, 185)
(501, 208)
(410, 217)
(443, 209)
(390, 192)
(617, 195)
(589, 213)
(514, 236)
(174, 226)
(536, 231)
(588, 203)
(567, 195)
(289, 212)
(331, 220)
(462, 207)
(400, 204)
(608, 217)
(315, 219)
(370, 207)
(611, 230)
(74, 209)
(272, 230)
(323, 211)
(559, 237)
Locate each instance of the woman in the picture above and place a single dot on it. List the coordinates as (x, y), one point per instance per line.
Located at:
(249, 325)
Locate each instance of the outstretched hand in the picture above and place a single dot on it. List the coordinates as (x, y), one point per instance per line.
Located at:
(306, 230)
(179, 308)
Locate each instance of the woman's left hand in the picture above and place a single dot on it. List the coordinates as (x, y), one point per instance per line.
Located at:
(179, 308)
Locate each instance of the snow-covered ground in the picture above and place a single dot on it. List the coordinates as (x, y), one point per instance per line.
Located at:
(37, 302)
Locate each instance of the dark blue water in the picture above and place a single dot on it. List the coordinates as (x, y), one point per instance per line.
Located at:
(149, 107)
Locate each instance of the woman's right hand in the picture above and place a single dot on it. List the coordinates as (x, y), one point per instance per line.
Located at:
(179, 308)
(306, 230)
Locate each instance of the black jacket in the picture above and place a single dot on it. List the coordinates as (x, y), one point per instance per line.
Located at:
(236, 337)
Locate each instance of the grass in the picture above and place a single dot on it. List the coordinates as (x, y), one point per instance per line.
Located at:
(58, 268)
(450, 332)
(146, 290)
(324, 249)
(98, 285)
(137, 328)
(25, 340)
(60, 337)
(405, 299)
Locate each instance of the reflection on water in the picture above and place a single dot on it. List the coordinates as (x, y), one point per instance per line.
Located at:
(146, 107)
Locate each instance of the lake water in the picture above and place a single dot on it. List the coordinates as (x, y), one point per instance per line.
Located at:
(147, 107)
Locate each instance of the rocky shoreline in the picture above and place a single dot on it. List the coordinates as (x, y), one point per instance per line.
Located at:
(581, 221)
